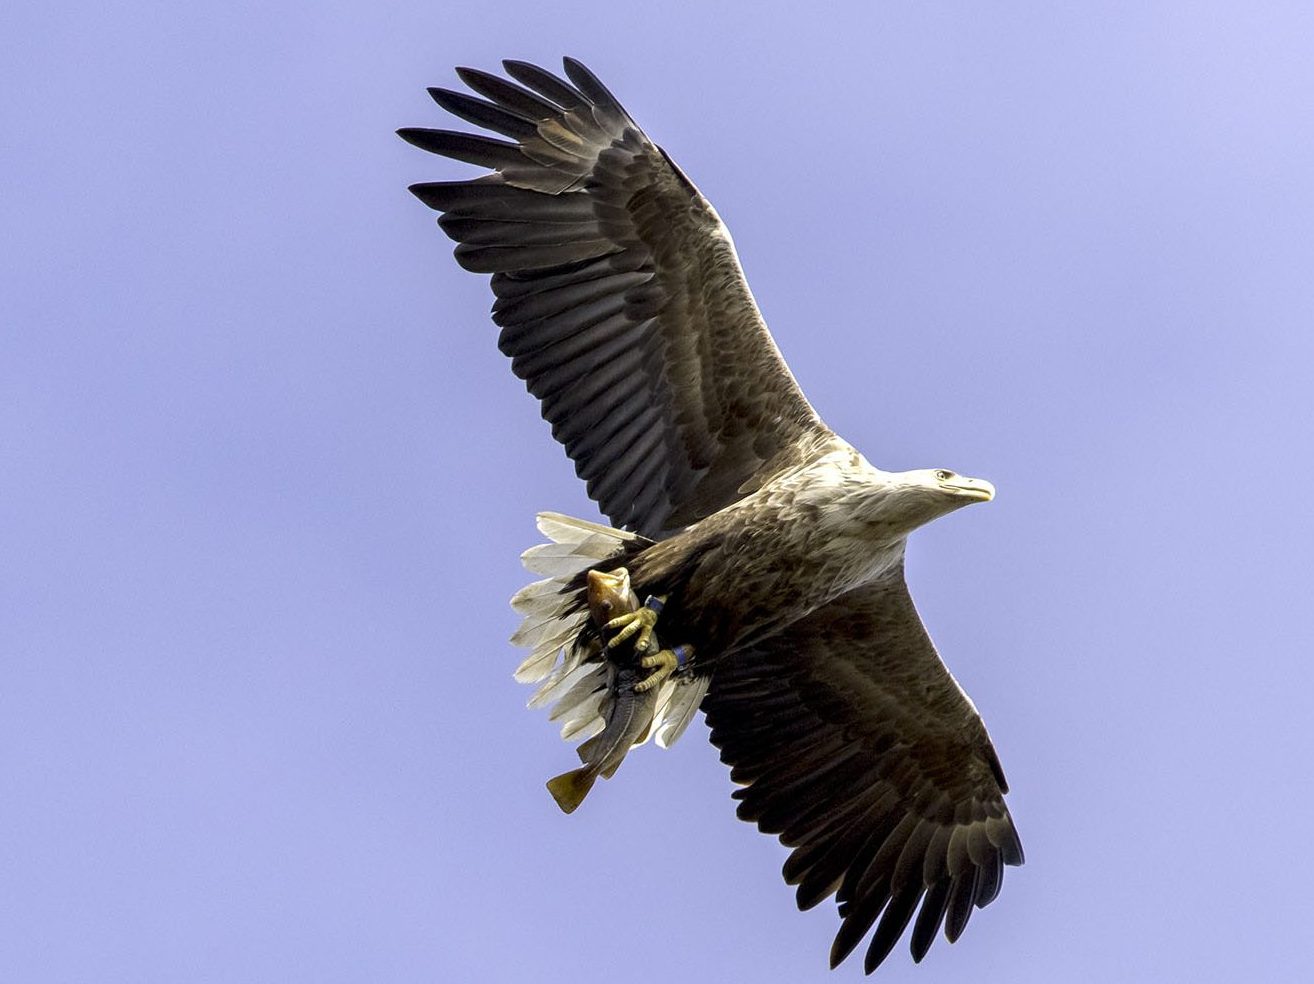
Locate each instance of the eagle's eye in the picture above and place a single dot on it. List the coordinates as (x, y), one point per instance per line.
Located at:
(942, 475)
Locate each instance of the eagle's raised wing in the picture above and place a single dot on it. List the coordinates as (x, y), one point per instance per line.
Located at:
(620, 297)
(856, 747)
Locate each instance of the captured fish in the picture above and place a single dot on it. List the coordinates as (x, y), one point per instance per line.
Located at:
(632, 707)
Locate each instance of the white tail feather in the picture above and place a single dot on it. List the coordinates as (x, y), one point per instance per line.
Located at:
(560, 528)
(558, 559)
(532, 631)
(544, 653)
(674, 717)
(584, 728)
(539, 598)
(591, 685)
(536, 666)
(560, 682)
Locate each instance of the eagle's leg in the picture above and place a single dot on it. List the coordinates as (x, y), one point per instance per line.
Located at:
(638, 625)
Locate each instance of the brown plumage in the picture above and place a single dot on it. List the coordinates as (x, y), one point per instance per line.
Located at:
(779, 547)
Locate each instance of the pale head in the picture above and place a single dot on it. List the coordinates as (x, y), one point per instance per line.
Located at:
(953, 489)
(904, 501)
(933, 492)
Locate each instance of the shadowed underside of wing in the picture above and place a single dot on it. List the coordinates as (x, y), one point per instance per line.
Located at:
(620, 298)
(855, 745)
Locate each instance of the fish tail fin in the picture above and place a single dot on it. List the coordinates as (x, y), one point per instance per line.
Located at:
(570, 788)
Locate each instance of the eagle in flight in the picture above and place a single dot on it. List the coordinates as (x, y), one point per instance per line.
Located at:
(775, 547)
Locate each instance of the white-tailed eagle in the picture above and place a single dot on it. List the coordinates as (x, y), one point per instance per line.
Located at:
(776, 547)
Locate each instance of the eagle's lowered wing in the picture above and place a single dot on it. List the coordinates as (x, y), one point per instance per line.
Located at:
(857, 747)
(620, 297)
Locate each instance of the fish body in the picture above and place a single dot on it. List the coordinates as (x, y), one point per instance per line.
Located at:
(632, 711)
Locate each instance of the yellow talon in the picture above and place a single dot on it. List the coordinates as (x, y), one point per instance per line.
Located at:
(641, 622)
(664, 663)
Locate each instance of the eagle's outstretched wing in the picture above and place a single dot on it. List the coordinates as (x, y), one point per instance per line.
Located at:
(621, 300)
(855, 745)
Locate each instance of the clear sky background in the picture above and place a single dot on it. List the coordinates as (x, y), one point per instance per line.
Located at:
(264, 481)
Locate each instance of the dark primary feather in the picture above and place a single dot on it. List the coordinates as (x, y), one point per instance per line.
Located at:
(859, 750)
(469, 147)
(543, 82)
(485, 114)
(619, 296)
(513, 97)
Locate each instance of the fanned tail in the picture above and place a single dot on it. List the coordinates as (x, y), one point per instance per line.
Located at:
(571, 674)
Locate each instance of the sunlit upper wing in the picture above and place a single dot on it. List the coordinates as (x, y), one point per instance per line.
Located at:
(620, 297)
(859, 749)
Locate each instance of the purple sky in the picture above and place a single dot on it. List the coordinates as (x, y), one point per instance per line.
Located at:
(265, 481)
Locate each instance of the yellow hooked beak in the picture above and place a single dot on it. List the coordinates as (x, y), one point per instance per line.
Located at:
(974, 488)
